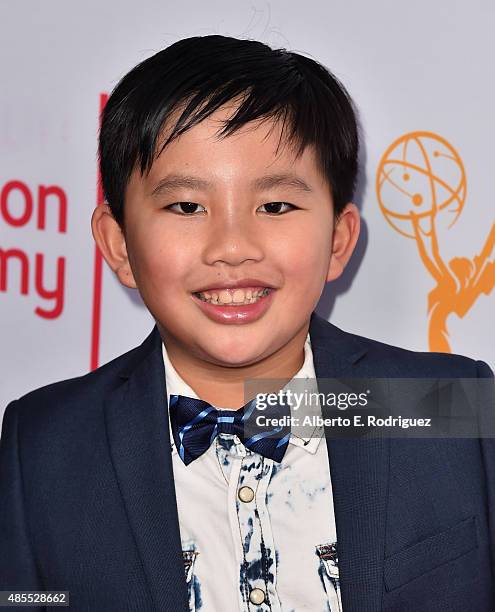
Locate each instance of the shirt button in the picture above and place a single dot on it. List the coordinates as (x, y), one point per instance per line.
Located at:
(257, 596)
(246, 494)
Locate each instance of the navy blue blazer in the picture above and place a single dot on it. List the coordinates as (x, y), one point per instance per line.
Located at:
(87, 498)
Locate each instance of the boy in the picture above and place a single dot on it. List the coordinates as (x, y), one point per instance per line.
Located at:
(228, 169)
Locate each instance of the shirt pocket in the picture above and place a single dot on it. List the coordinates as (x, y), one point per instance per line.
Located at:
(328, 572)
(189, 555)
(430, 554)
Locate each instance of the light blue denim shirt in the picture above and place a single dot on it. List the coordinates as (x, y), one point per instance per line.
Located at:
(257, 535)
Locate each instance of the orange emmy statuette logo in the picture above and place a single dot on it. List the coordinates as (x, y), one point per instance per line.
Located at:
(421, 188)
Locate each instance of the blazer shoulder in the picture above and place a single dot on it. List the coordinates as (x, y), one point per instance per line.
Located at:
(379, 358)
(424, 363)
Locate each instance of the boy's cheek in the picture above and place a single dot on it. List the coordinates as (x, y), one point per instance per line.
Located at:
(308, 269)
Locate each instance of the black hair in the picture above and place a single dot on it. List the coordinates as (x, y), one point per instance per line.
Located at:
(198, 75)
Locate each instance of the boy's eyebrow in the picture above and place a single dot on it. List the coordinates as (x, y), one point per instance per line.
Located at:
(180, 181)
(280, 180)
(263, 183)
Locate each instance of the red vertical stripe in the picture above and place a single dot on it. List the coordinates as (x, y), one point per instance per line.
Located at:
(97, 274)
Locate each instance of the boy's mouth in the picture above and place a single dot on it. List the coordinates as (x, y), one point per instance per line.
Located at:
(233, 297)
(234, 305)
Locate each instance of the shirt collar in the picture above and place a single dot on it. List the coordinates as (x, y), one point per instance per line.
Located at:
(176, 385)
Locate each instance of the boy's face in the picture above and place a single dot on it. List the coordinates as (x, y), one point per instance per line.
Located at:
(173, 251)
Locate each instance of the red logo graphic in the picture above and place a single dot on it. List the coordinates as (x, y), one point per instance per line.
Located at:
(21, 207)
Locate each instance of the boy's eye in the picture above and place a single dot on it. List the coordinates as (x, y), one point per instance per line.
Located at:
(188, 208)
(277, 206)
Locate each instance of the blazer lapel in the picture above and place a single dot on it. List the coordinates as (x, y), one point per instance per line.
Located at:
(136, 417)
(359, 470)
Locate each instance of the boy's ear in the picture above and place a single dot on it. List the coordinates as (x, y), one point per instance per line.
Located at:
(345, 237)
(111, 241)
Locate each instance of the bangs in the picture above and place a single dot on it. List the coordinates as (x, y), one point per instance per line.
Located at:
(186, 83)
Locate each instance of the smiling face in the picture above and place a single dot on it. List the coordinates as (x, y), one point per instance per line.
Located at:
(247, 212)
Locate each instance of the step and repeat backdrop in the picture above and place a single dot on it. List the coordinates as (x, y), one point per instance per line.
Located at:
(422, 76)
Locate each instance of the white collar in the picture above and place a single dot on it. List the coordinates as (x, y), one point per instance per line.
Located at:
(177, 386)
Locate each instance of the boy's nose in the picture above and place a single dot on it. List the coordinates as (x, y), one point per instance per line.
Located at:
(233, 243)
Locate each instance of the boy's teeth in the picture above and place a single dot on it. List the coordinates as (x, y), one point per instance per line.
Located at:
(247, 295)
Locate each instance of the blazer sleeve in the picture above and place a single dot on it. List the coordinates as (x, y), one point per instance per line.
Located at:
(488, 448)
(17, 564)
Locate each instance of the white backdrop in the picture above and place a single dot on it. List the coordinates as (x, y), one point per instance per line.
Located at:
(411, 67)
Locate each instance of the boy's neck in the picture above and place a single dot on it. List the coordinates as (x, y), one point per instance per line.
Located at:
(223, 387)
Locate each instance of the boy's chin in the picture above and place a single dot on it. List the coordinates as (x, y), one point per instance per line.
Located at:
(237, 359)
(245, 345)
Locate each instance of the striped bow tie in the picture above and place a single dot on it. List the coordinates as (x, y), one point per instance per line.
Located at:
(195, 423)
